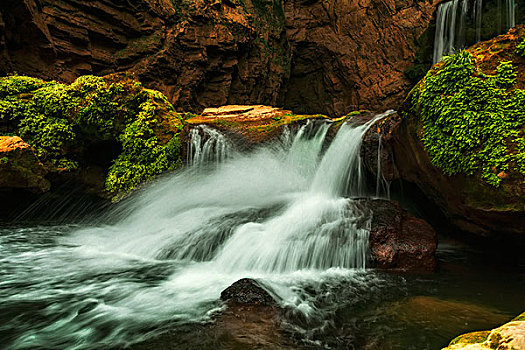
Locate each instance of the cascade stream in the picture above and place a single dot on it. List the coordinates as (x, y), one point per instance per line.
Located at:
(455, 17)
(282, 213)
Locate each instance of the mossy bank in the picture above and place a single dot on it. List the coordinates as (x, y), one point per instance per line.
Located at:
(112, 123)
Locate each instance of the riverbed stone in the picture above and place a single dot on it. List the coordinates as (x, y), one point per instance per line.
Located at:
(20, 168)
(247, 291)
(398, 240)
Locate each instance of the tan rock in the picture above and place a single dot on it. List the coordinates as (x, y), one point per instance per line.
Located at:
(510, 336)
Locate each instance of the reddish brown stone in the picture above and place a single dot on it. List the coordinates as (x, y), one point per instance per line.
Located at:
(20, 167)
(351, 55)
(399, 240)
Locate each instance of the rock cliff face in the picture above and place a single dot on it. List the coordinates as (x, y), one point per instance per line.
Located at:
(198, 53)
(350, 55)
(313, 56)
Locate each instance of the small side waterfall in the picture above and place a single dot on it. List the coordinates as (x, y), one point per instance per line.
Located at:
(454, 18)
(207, 145)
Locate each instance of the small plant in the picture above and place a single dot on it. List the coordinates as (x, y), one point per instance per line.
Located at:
(520, 48)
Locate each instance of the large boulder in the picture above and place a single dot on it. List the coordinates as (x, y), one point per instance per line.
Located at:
(459, 138)
(398, 240)
(20, 168)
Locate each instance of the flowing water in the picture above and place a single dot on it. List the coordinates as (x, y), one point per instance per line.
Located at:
(454, 18)
(282, 214)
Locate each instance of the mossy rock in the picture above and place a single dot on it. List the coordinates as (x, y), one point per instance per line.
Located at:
(471, 338)
(62, 122)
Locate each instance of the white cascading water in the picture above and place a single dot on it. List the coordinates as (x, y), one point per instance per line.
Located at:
(451, 19)
(444, 41)
(207, 145)
(283, 215)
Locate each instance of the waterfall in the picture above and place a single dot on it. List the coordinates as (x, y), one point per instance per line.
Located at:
(510, 9)
(478, 11)
(452, 21)
(207, 145)
(283, 214)
(445, 29)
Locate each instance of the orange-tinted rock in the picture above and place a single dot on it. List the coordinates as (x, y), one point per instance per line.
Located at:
(20, 167)
(351, 55)
(252, 124)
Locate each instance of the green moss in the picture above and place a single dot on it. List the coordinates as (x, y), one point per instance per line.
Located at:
(471, 338)
(520, 48)
(60, 120)
(16, 84)
(472, 122)
(520, 317)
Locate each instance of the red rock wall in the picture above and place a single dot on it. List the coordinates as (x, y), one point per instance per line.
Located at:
(324, 56)
(351, 54)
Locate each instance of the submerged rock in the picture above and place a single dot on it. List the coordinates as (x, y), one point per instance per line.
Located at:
(249, 292)
(398, 240)
(20, 168)
(510, 336)
(449, 316)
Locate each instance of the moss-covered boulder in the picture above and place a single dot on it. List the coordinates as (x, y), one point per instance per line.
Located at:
(461, 136)
(510, 336)
(108, 123)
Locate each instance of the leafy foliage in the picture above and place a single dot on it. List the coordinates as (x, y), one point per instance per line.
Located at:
(472, 122)
(520, 48)
(59, 120)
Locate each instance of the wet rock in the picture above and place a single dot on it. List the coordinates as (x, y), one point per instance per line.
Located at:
(20, 168)
(509, 336)
(397, 239)
(250, 321)
(249, 124)
(249, 292)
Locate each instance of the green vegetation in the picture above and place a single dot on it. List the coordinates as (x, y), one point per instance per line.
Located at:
(62, 121)
(520, 48)
(471, 338)
(473, 123)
